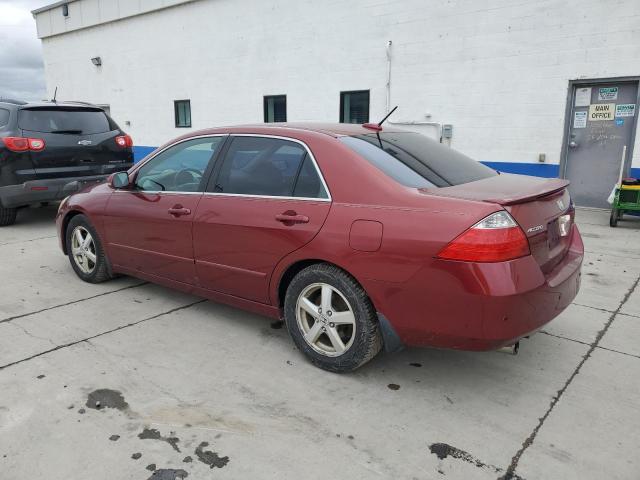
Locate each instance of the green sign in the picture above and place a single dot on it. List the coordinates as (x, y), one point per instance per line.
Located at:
(625, 110)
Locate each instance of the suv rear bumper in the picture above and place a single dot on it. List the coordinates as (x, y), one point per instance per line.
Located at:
(36, 191)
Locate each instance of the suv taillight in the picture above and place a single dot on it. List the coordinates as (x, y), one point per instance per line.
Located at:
(22, 144)
(124, 141)
(497, 238)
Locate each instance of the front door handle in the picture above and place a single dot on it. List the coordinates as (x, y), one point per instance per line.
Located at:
(291, 218)
(179, 210)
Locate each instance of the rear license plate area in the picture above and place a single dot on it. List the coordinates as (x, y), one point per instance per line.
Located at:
(553, 234)
(558, 228)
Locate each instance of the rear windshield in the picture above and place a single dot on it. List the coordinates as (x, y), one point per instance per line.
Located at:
(4, 117)
(417, 161)
(68, 120)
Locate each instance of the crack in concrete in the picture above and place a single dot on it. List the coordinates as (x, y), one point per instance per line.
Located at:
(85, 340)
(25, 241)
(585, 343)
(9, 319)
(29, 334)
(510, 473)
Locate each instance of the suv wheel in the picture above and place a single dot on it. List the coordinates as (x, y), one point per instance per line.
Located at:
(331, 318)
(8, 216)
(85, 251)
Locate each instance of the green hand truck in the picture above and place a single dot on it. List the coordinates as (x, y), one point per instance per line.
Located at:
(626, 199)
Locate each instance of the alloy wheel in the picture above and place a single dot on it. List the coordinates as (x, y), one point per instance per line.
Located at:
(326, 319)
(83, 249)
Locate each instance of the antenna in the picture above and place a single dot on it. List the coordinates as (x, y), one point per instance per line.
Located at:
(388, 115)
(377, 127)
(55, 94)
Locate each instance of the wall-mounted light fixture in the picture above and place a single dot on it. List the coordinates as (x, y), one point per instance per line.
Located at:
(97, 61)
(65, 10)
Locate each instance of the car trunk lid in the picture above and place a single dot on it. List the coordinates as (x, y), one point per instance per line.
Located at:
(542, 207)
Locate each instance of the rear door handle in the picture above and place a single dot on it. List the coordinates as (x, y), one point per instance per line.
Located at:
(178, 211)
(291, 218)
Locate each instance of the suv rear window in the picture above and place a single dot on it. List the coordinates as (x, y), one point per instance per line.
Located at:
(65, 120)
(4, 117)
(417, 161)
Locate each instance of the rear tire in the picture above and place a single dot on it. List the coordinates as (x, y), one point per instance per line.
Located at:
(613, 219)
(85, 251)
(331, 319)
(8, 216)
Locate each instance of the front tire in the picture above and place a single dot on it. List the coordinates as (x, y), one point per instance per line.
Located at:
(331, 319)
(85, 251)
(8, 216)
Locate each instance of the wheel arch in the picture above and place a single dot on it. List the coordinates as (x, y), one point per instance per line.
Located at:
(65, 223)
(294, 268)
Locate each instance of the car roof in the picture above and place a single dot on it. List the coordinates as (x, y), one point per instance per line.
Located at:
(44, 104)
(332, 129)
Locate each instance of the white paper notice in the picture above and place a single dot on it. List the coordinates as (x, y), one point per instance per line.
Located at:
(583, 97)
(580, 119)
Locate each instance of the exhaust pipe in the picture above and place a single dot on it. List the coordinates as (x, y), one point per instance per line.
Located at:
(511, 349)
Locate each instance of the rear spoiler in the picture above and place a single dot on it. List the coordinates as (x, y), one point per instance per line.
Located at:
(504, 189)
(552, 187)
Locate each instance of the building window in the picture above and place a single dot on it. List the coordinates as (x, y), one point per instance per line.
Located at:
(183, 113)
(275, 108)
(354, 107)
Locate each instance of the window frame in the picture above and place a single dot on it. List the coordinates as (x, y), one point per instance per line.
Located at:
(175, 112)
(206, 176)
(349, 92)
(220, 160)
(265, 107)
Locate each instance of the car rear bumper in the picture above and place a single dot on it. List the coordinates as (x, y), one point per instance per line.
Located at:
(479, 306)
(49, 190)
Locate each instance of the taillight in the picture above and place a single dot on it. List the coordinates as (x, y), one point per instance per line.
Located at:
(497, 238)
(21, 144)
(124, 141)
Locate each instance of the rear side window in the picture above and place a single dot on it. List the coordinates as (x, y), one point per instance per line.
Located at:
(417, 161)
(65, 120)
(270, 167)
(4, 117)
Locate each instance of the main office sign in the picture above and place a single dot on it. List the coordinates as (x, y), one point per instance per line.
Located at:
(601, 111)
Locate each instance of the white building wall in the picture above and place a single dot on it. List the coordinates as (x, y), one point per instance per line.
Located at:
(498, 70)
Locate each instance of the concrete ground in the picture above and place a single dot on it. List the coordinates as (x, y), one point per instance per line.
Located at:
(187, 387)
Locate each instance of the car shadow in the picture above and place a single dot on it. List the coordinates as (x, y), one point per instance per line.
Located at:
(41, 215)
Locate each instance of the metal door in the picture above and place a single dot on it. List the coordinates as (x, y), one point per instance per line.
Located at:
(599, 142)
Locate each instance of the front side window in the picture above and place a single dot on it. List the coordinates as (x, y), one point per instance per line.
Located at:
(180, 168)
(79, 121)
(182, 110)
(268, 167)
(354, 107)
(417, 161)
(275, 108)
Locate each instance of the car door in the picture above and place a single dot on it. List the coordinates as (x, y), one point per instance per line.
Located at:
(266, 199)
(149, 225)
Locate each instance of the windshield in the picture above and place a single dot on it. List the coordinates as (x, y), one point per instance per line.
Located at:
(417, 161)
(68, 120)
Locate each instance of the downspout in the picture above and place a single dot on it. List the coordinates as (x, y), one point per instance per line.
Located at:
(389, 43)
(388, 105)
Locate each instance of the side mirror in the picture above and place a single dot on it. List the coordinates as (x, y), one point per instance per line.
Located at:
(120, 180)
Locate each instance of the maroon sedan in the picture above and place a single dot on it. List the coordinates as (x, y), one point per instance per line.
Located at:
(360, 237)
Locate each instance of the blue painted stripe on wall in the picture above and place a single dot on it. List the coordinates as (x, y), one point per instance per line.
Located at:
(139, 152)
(535, 169)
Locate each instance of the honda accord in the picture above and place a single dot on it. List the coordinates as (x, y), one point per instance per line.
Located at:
(360, 237)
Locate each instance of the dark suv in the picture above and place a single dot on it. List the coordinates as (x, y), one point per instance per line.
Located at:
(47, 145)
